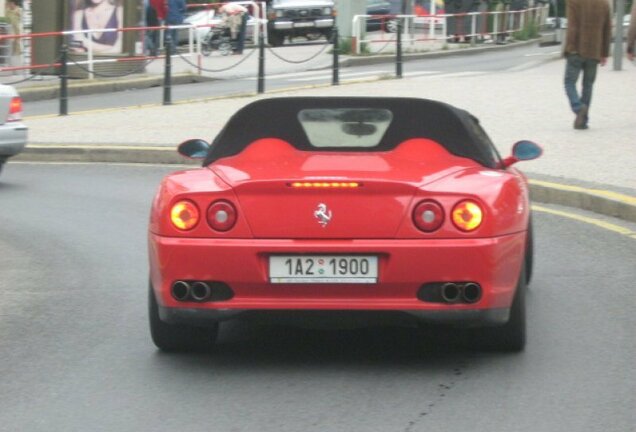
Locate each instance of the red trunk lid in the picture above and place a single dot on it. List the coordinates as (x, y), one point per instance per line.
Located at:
(324, 204)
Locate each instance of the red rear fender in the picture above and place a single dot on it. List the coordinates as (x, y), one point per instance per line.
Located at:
(201, 187)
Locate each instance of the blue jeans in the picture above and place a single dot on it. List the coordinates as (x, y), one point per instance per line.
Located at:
(573, 68)
(240, 40)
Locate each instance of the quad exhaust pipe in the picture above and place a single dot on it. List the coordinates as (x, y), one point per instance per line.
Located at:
(451, 292)
(469, 292)
(197, 291)
(181, 290)
(200, 291)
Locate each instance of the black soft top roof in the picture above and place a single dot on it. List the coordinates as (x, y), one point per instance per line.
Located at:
(455, 129)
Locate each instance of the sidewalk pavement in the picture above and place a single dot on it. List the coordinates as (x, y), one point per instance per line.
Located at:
(187, 69)
(592, 169)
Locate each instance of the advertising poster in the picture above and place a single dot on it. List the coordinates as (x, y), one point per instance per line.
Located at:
(91, 17)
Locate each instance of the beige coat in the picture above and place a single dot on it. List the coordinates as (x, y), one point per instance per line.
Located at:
(589, 28)
(14, 16)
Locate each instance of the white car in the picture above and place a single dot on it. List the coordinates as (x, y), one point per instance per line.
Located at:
(13, 133)
(201, 22)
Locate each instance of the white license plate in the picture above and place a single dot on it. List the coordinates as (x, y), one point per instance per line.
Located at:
(304, 24)
(358, 269)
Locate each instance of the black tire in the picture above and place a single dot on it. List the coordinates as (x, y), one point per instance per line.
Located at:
(312, 36)
(510, 337)
(276, 39)
(178, 338)
(328, 34)
(529, 252)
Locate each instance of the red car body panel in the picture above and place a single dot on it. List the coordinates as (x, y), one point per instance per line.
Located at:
(494, 263)
(372, 219)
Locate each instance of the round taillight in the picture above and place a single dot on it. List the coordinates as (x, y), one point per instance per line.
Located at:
(184, 215)
(221, 215)
(467, 215)
(428, 216)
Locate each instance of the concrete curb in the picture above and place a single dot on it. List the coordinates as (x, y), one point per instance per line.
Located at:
(599, 201)
(101, 154)
(52, 91)
(373, 59)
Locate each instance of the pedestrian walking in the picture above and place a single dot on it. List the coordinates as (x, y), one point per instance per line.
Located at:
(174, 16)
(161, 9)
(13, 13)
(587, 45)
(152, 36)
(631, 33)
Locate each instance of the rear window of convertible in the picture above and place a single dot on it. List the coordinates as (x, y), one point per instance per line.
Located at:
(345, 127)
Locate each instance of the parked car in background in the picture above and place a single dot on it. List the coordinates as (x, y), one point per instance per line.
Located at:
(291, 18)
(382, 9)
(13, 132)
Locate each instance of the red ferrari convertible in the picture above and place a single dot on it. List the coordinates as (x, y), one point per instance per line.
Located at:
(343, 205)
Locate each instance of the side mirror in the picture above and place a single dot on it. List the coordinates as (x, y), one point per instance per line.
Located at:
(523, 151)
(194, 149)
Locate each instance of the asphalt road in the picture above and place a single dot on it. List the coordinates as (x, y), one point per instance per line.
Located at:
(75, 353)
(242, 79)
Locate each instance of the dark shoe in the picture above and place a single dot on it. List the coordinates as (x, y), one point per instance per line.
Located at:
(582, 127)
(581, 118)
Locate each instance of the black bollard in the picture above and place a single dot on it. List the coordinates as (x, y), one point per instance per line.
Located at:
(167, 78)
(261, 63)
(398, 57)
(335, 80)
(64, 81)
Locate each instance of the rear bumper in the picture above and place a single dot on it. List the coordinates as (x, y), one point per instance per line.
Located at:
(13, 139)
(404, 267)
(300, 25)
(461, 318)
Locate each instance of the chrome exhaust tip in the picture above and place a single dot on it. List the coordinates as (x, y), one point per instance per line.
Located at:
(450, 292)
(471, 292)
(200, 291)
(181, 290)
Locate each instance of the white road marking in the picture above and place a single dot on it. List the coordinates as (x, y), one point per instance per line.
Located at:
(343, 75)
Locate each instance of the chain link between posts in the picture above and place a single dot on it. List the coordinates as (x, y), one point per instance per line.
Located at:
(313, 56)
(202, 69)
(34, 74)
(29, 78)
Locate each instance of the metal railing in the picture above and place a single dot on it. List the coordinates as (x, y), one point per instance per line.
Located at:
(442, 28)
(409, 31)
(92, 56)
